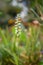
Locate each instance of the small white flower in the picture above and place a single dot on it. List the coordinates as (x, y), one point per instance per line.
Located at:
(19, 30)
(18, 15)
(16, 31)
(16, 21)
(19, 27)
(16, 25)
(19, 24)
(18, 34)
(15, 28)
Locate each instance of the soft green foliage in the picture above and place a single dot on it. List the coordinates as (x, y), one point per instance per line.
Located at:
(36, 10)
(10, 54)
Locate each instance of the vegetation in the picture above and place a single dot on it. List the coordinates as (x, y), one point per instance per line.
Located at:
(20, 45)
(24, 49)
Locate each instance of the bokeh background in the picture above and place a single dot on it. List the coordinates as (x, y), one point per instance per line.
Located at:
(21, 32)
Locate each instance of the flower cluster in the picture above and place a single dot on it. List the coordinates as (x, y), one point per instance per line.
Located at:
(18, 27)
